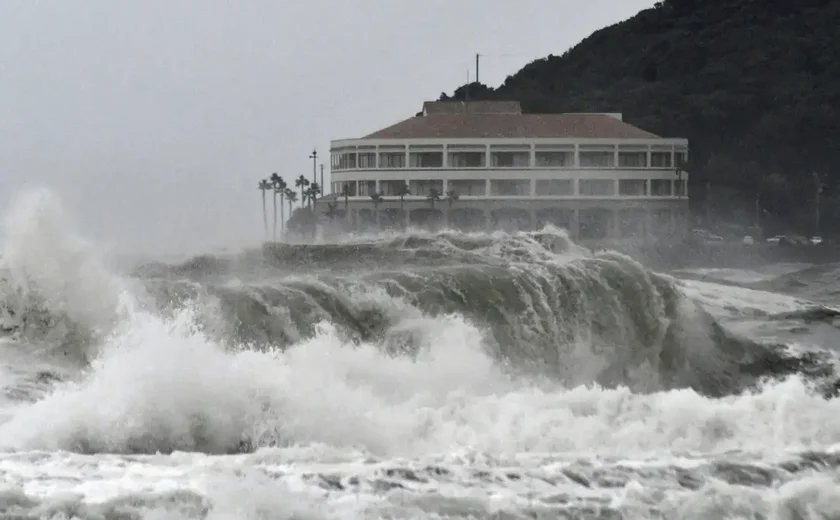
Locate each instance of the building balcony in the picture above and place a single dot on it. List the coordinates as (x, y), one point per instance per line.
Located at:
(659, 154)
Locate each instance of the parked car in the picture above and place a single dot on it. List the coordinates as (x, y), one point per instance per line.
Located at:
(776, 239)
(748, 241)
(816, 240)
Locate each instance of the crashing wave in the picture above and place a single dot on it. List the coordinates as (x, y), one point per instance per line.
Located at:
(392, 344)
(546, 307)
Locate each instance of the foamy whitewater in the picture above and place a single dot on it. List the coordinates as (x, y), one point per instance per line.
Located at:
(421, 375)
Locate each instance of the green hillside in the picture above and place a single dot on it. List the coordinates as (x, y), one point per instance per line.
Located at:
(753, 84)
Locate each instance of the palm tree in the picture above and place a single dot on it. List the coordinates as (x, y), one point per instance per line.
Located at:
(291, 198)
(307, 196)
(314, 191)
(264, 185)
(274, 180)
(280, 189)
(402, 192)
(302, 182)
(377, 200)
(452, 197)
(433, 196)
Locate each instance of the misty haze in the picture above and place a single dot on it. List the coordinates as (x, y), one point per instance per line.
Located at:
(452, 260)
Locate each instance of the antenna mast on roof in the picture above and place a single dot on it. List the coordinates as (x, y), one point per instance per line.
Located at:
(477, 56)
(467, 91)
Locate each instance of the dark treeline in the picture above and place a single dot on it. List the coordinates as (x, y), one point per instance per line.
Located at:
(753, 84)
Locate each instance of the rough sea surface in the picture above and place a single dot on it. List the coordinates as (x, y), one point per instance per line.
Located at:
(422, 375)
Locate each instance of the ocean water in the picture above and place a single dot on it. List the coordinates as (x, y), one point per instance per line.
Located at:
(421, 375)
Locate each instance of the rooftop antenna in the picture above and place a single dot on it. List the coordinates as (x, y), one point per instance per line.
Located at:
(477, 56)
(467, 92)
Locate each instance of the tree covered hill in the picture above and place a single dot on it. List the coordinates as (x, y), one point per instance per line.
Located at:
(753, 84)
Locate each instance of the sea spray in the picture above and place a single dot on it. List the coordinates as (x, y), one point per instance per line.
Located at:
(443, 376)
(55, 289)
(543, 306)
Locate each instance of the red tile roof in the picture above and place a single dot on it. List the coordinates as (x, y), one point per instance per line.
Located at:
(511, 125)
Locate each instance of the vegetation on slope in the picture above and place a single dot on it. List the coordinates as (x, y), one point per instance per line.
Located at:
(753, 84)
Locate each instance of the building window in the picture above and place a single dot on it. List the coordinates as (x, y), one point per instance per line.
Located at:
(680, 159)
(554, 159)
(425, 159)
(632, 159)
(467, 159)
(660, 159)
(510, 159)
(597, 159)
(350, 186)
(632, 187)
(660, 188)
(392, 160)
(422, 188)
(334, 161)
(391, 188)
(367, 160)
(347, 161)
(554, 187)
(596, 187)
(510, 187)
(468, 187)
(367, 188)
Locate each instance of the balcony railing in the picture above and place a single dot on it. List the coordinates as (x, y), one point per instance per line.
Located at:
(611, 157)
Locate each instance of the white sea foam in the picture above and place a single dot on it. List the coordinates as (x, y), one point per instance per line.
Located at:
(164, 385)
(326, 407)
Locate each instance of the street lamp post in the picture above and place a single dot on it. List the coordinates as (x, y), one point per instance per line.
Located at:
(314, 157)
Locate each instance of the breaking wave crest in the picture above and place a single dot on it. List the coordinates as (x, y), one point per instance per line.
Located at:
(398, 346)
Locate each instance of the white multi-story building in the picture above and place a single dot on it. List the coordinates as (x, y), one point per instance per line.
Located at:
(486, 164)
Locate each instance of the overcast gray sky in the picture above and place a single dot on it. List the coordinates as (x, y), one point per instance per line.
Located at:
(154, 119)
